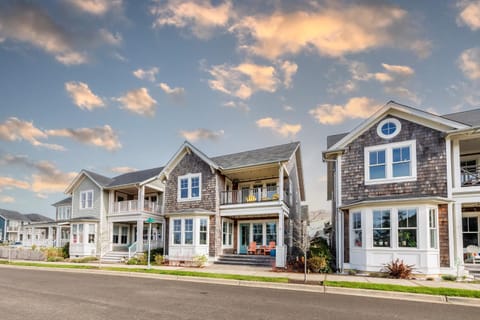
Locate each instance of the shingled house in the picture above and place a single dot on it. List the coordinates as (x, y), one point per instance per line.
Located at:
(405, 184)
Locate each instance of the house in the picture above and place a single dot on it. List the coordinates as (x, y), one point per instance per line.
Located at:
(39, 230)
(405, 184)
(11, 223)
(199, 205)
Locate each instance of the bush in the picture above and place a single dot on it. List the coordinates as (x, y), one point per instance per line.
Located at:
(319, 248)
(154, 253)
(200, 260)
(55, 259)
(398, 269)
(159, 259)
(318, 264)
(84, 260)
(52, 253)
(449, 277)
(66, 250)
(140, 259)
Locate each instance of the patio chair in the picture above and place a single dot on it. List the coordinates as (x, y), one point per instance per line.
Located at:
(271, 246)
(251, 198)
(473, 253)
(252, 248)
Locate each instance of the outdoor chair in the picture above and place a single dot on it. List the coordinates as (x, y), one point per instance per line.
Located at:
(271, 246)
(473, 254)
(252, 248)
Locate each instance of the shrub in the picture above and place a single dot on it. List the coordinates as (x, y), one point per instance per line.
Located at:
(318, 264)
(84, 260)
(449, 277)
(159, 259)
(319, 248)
(154, 253)
(55, 259)
(52, 252)
(139, 259)
(66, 250)
(200, 260)
(34, 247)
(352, 272)
(398, 269)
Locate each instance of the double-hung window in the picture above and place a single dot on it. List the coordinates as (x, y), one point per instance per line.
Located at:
(227, 233)
(189, 187)
(381, 228)
(407, 228)
(357, 229)
(470, 231)
(191, 231)
(432, 227)
(86, 199)
(177, 231)
(394, 162)
(188, 231)
(203, 231)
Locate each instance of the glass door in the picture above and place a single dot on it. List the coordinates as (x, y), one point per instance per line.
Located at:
(120, 235)
(244, 237)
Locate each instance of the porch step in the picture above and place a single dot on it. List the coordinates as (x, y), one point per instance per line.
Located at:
(473, 270)
(115, 256)
(246, 260)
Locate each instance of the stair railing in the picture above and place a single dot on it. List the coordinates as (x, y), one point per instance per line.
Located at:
(132, 250)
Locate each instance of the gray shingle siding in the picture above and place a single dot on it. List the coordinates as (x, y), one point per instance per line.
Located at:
(86, 185)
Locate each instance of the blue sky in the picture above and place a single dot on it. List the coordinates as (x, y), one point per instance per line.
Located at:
(112, 86)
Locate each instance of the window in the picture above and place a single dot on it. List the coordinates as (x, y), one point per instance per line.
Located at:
(189, 187)
(381, 228)
(389, 128)
(407, 228)
(75, 233)
(203, 231)
(271, 232)
(86, 199)
(357, 229)
(470, 231)
(188, 231)
(394, 162)
(91, 233)
(271, 190)
(177, 231)
(227, 233)
(432, 227)
(258, 233)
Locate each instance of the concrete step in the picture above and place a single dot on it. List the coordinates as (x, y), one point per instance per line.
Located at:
(115, 256)
(246, 260)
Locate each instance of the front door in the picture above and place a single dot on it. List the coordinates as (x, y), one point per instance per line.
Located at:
(120, 235)
(244, 237)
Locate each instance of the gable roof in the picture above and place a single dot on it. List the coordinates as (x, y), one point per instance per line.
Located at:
(257, 157)
(12, 215)
(98, 178)
(134, 177)
(35, 217)
(65, 201)
(469, 117)
(402, 111)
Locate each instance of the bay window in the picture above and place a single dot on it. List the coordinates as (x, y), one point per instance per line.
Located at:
(381, 228)
(407, 228)
(190, 231)
(357, 229)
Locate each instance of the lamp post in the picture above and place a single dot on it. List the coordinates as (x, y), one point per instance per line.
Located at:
(149, 221)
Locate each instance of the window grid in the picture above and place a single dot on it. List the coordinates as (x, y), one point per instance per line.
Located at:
(357, 229)
(407, 228)
(432, 227)
(381, 228)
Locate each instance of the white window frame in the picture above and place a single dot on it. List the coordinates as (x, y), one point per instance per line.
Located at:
(390, 229)
(398, 127)
(228, 233)
(189, 178)
(81, 204)
(407, 228)
(195, 231)
(432, 228)
(389, 162)
(354, 230)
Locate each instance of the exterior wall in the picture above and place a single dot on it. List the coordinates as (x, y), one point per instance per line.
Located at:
(443, 235)
(86, 185)
(295, 214)
(431, 165)
(191, 163)
(2, 229)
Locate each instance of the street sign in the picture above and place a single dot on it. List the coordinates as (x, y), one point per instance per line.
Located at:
(150, 220)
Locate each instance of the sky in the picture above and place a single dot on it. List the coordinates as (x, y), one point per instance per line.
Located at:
(114, 86)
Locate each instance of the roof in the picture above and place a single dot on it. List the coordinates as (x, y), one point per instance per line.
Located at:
(470, 117)
(35, 217)
(101, 180)
(331, 140)
(66, 201)
(134, 177)
(258, 156)
(12, 215)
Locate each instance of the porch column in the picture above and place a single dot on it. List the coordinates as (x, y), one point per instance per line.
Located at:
(280, 182)
(281, 249)
(458, 236)
(58, 242)
(111, 201)
(140, 235)
(141, 199)
(50, 236)
(456, 164)
(33, 236)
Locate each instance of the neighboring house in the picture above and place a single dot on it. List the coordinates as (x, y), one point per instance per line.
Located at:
(39, 230)
(11, 223)
(406, 184)
(200, 205)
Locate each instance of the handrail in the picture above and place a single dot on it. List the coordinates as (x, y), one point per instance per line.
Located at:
(470, 178)
(132, 248)
(134, 206)
(260, 194)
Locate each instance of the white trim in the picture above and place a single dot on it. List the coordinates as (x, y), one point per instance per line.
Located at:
(86, 207)
(189, 178)
(389, 162)
(398, 128)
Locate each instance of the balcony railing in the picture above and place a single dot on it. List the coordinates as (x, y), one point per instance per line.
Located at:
(470, 176)
(134, 206)
(13, 228)
(252, 195)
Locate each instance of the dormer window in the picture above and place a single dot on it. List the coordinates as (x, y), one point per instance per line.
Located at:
(389, 128)
(189, 187)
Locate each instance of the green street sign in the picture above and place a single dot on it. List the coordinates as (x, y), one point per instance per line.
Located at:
(150, 220)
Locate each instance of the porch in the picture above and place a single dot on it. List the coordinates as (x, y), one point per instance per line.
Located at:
(466, 163)
(137, 201)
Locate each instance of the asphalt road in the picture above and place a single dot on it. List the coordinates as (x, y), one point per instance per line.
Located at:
(50, 295)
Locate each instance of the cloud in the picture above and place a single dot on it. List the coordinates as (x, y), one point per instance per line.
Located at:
(30, 24)
(96, 7)
(288, 108)
(146, 74)
(403, 71)
(104, 137)
(138, 101)
(14, 129)
(469, 14)
(201, 17)
(82, 96)
(122, 169)
(243, 80)
(332, 29)
(358, 107)
(237, 105)
(289, 69)
(49, 179)
(110, 38)
(174, 92)
(469, 63)
(282, 128)
(8, 183)
(7, 199)
(202, 134)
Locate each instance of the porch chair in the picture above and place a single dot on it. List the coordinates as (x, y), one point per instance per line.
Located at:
(473, 254)
(251, 198)
(252, 248)
(271, 246)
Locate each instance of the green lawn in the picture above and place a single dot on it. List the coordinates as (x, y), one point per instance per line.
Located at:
(399, 288)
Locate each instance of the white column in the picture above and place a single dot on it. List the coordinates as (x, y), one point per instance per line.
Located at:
(448, 151)
(140, 235)
(141, 198)
(280, 183)
(34, 236)
(457, 235)
(50, 236)
(456, 164)
(58, 236)
(111, 201)
(281, 251)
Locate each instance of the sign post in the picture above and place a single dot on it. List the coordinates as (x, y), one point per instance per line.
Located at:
(149, 221)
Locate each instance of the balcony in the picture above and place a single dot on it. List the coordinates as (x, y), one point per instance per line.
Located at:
(133, 206)
(13, 228)
(251, 196)
(470, 175)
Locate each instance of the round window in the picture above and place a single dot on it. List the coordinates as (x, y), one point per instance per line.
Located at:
(388, 128)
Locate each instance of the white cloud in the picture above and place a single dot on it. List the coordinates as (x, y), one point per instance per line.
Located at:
(175, 92)
(50, 179)
(469, 14)
(469, 63)
(96, 7)
(358, 107)
(30, 24)
(82, 96)
(122, 169)
(404, 71)
(110, 38)
(146, 74)
(202, 134)
(289, 70)
(14, 129)
(240, 105)
(8, 183)
(243, 80)
(138, 101)
(103, 137)
(201, 17)
(7, 199)
(282, 128)
(288, 108)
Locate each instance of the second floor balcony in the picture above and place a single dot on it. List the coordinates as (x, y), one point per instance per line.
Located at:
(134, 206)
(470, 173)
(253, 195)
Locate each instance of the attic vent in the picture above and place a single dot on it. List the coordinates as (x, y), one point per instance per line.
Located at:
(389, 128)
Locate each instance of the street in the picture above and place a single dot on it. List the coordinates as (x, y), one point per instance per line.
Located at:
(37, 294)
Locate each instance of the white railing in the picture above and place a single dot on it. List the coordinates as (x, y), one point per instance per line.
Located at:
(470, 176)
(133, 206)
(132, 250)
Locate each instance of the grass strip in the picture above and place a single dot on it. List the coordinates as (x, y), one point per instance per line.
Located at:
(46, 265)
(452, 292)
